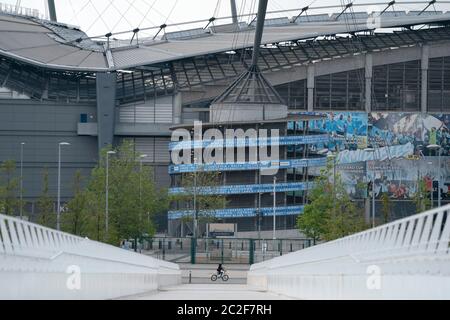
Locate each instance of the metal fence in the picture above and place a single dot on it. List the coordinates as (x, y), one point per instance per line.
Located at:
(221, 250)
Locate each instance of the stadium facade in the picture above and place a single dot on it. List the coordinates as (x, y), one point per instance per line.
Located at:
(388, 89)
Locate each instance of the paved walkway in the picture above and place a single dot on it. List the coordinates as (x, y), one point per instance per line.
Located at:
(208, 292)
(201, 274)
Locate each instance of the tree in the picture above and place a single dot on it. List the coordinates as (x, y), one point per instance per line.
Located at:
(386, 207)
(330, 213)
(133, 199)
(9, 186)
(313, 220)
(45, 204)
(76, 219)
(200, 185)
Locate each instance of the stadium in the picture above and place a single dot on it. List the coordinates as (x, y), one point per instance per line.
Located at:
(378, 80)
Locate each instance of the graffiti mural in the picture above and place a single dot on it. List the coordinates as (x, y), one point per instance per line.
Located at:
(398, 178)
(420, 130)
(400, 158)
(348, 130)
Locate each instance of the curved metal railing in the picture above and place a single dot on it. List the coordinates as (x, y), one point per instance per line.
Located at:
(31, 254)
(416, 248)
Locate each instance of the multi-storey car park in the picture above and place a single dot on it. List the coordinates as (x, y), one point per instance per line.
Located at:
(58, 85)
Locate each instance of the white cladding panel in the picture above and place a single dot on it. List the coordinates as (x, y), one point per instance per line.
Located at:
(152, 111)
(156, 149)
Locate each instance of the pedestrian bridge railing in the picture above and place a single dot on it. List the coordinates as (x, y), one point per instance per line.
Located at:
(406, 259)
(41, 263)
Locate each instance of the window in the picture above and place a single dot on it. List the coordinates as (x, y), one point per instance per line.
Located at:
(295, 94)
(396, 87)
(439, 84)
(340, 91)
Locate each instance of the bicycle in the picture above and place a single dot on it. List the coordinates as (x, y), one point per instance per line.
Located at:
(224, 276)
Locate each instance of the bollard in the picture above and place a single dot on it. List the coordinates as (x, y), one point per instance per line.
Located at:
(164, 249)
(190, 276)
(193, 250)
(251, 257)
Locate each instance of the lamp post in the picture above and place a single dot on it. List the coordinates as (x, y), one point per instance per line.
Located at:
(430, 163)
(372, 151)
(195, 201)
(107, 193)
(141, 159)
(21, 179)
(438, 148)
(332, 157)
(274, 208)
(58, 209)
(259, 215)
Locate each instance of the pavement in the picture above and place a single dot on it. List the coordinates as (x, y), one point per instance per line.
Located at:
(227, 292)
(201, 273)
(202, 288)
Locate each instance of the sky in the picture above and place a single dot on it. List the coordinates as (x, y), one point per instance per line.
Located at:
(98, 17)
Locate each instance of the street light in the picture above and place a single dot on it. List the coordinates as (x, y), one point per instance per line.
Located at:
(430, 163)
(332, 157)
(195, 201)
(21, 179)
(274, 207)
(107, 193)
(58, 210)
(436, 147)
(141, 159)
(372, 151)
(258, 212)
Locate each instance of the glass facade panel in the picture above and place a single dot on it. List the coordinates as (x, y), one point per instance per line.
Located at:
(439, 84)
(340, 91)
(396, 87)
(295, 94)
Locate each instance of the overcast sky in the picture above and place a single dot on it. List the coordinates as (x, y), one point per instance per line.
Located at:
(98, 17)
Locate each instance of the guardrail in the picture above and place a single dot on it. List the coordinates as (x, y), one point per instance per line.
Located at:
(41, 263)
(18, 10)
(406, 259)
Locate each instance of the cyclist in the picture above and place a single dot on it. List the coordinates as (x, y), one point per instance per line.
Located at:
(220, 270)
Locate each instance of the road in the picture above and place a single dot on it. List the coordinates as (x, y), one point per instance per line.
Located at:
(208, 292)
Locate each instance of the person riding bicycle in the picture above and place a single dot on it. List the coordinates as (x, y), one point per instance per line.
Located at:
(220, 270)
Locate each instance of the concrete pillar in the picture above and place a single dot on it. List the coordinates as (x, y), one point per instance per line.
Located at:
(368, 83)
(177, 108)
(367, 211)
(169, 227)
(52, 10)
(424, 89)
(106, 106)
(311, 77)
(234, 11)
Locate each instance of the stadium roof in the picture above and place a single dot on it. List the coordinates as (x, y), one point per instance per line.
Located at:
(57, 46)
(47, 45)
(250, 87)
